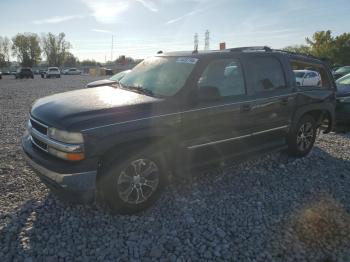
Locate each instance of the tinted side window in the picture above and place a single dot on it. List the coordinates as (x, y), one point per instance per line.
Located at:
(226, 75)
(266, 74)
(320, 77)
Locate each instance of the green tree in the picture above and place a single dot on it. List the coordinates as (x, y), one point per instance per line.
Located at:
(5, 49)
(322, 44)
(303, 49)
(341, 49)
(2, 60)
(88, 62)
(26, 47)
(55, 48)
(70, 60)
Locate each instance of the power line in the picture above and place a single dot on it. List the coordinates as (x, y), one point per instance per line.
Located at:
(112, 49)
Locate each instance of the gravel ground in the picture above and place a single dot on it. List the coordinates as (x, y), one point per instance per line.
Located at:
(272, 208)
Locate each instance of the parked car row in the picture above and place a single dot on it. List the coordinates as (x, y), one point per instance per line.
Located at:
(24, 72)
(343, 100)
(51, 72)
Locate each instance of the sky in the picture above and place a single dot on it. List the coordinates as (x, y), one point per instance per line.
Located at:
(140, 28)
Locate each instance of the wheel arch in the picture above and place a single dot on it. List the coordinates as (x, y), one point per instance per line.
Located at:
(161, 144)
(323, 115)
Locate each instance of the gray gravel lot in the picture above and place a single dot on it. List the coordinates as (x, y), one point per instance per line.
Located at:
(272, 208)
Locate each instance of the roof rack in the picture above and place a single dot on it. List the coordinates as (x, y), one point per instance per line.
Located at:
(251, 49)
(296, 53)
(268, 49)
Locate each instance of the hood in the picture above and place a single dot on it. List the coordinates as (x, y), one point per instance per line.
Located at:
(343, 90)
(102, 82)
(86, 108)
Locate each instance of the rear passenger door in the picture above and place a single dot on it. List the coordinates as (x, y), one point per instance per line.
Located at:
(221, 127)
(274, 98)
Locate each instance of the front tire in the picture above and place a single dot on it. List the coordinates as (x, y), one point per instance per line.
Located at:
(302, 137)
(132, 185)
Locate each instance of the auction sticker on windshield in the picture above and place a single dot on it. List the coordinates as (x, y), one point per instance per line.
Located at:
(187, 60)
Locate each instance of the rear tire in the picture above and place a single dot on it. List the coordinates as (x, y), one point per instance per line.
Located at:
(132, 184)
(302, 137)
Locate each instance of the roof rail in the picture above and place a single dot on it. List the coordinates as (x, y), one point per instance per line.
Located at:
(251, 49)
(297, 53)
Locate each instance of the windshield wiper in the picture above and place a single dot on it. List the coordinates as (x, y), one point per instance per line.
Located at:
(137, 89)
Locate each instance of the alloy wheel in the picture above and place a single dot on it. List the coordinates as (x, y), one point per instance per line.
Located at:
(305, 136)
(138, 181)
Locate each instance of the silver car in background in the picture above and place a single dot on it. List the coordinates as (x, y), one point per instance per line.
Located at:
(72, 71)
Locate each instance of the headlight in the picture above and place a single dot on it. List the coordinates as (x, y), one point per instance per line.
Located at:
(65, 137)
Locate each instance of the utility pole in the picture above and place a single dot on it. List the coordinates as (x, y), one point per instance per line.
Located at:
(196, 42)
(112, 49)
(207, 40)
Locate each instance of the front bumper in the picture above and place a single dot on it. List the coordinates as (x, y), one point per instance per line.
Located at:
(75, 182)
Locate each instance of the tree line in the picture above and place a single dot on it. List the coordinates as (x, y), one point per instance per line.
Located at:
(29, 49)
(322, 44)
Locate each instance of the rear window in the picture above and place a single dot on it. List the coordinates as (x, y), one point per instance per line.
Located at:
(26, 70)
(53, 69)
(315, 75)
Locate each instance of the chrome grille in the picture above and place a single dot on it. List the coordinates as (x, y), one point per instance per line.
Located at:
(41, 145)
(38, 126)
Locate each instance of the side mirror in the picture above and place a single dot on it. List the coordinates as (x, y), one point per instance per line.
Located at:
(208, 93)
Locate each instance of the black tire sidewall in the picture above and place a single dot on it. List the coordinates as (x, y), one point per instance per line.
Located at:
(292, 140)
(107, 185)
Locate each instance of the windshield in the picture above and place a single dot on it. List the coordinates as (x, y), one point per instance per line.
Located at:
(118, 76)
(299, 74)
(345, 80)
(342, 70)
(163, 76)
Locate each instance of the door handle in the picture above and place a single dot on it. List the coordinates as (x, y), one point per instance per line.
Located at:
(246, 108)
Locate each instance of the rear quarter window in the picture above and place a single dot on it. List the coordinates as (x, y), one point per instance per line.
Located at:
(319, 76)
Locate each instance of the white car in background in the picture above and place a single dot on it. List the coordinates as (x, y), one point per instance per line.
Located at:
(72, 71)
(52, 72)
(307, 78)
